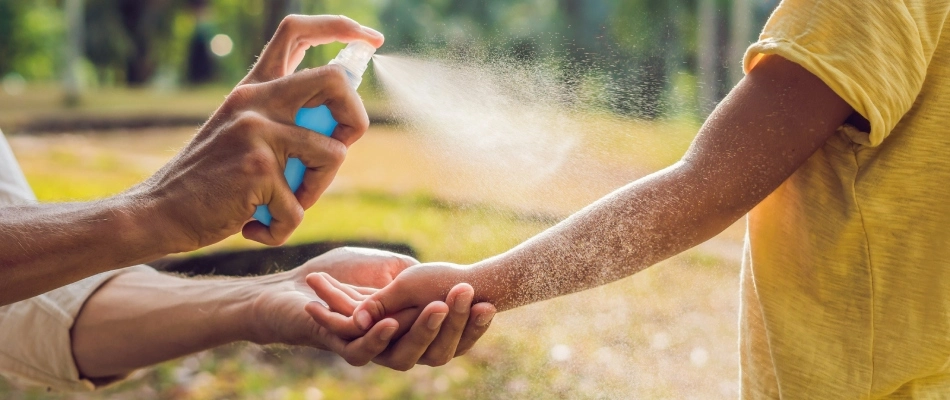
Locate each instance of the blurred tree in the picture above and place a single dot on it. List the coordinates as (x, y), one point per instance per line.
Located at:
(275, 12)
(201, 65)
(11, 46)
(146, 22)
(126, 35)
(707, 56)
(742, 36)
(74, 50)
(652, 34)
(31, 38)
(628, 51)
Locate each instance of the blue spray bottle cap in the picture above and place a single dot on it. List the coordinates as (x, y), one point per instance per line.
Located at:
(354, 59)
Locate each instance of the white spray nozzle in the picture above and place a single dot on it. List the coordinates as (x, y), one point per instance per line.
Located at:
(355, 59)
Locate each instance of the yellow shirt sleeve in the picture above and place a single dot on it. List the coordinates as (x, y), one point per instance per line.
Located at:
(873, 53)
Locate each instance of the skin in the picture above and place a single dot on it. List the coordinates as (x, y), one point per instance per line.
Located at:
(767, 127)
(208, 192)
(142, 318)
(210, 189)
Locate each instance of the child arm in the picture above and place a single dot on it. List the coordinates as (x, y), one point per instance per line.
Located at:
(767, 127)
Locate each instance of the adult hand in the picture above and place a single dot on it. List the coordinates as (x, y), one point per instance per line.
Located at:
(236, 161)
(277, 311)
(464, 327)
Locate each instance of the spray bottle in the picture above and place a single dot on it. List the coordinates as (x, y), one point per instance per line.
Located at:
(354, 59)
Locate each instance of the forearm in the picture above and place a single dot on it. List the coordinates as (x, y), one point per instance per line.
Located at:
(767, 127)
(637, 226)
(46, 246)
(143, 318)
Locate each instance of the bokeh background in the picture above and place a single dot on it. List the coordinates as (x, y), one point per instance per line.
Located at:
(95, 95)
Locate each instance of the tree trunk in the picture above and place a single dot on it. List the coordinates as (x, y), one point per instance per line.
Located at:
(75, 30)
(137, 18)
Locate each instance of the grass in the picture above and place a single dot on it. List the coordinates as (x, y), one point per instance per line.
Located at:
(46, 101)
(668, 332)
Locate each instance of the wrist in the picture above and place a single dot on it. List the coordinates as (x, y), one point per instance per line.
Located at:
(149, 223)
(257, 319)
(240, 300)
(488, 278)
(473, 274)
(134, 227)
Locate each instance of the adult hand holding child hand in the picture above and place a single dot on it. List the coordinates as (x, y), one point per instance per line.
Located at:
(141, 317)
(417, 295)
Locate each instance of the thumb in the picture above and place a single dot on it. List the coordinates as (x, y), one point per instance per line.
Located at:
(386, 301)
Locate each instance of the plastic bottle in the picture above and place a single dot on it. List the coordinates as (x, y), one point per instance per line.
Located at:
(354, 59)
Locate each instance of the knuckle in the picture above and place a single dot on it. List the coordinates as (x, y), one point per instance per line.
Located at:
(361, 124)
(258, 163)
(334, 151)
(296, 216)
(288, 24)
(335, 77)
(248, 123)
(240, 96)
(379, 306)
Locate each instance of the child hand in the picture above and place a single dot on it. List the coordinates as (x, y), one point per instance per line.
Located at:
(427, 342)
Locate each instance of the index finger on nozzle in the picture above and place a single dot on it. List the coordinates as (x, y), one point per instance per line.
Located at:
(345, 29)
(315, 30)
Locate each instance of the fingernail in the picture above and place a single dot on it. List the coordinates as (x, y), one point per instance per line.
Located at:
(463, 302)
(435, 320)
(363, 319)
(484, 319)
(387, 333)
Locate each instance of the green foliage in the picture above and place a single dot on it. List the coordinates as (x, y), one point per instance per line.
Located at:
(127, 37)
(630, 51)
(31, 38)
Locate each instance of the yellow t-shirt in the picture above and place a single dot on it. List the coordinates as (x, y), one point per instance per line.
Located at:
(846, 274)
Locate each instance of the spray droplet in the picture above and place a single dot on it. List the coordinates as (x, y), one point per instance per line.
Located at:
(605, 355)
(441, 384)
(560, 353)
(313, 393)
(699, 356)
(513, 122)
(660, 341)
